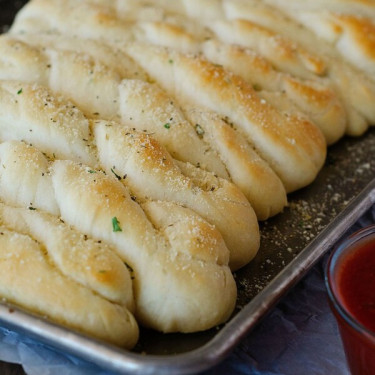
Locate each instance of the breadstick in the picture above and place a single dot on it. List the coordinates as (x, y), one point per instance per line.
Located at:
(54, 270)
(151, 172)
(165, 120)
(149, 169)
(247, 170)
(286, 43)
(363, 8)
(95, 89)
(346, 27)
(314, 99)
(294, 149)
(348, 33)
(356, 90)
(181, 282)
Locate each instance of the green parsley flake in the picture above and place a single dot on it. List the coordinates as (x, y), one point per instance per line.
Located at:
(117, 176)
(116, 225)
(167, 125)
(32, 208)
(199, 130)
(19, 91)
(91, 171)
(170, 61)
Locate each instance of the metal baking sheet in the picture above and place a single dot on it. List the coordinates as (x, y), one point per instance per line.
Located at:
(291, 244)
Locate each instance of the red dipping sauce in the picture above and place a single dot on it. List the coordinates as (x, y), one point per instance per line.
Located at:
(350, 281)
(356, 283)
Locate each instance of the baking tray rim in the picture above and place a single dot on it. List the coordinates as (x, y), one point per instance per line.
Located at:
(200, 359)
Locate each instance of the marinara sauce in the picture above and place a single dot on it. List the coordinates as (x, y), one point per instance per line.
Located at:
(356, 283)
(350, 280)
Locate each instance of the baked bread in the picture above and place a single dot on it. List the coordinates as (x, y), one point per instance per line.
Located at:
(355, 89)
(315, 99)
(166, 34)
(178, 260)
(280, 50)
(152, 174)
(53, 270)
(159, 115)
(160, 131)
(294, 148)
(286, 43)
(346, 28)
(256, 179)
(60, 130)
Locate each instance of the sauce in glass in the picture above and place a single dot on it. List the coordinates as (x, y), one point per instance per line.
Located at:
(356, 284)
(350, 281)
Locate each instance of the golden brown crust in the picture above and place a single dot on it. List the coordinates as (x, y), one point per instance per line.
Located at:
(357, 42)
(292, 118)
(258, 111)
(99, 18)
(280, 51)
(152, 173)
(363, 31)
(102, 207)
(259, 183)
(169, 35)
(51, 123)
(285, 19)
(149, 169)
(65, 283)
(314, 99)
(358, 7)
(349, 34)
(159, 270)
(302, 144)
(281, 36)
(329, 118)
(295, 21)
(148, 108)
(320, 104)
(97, 89)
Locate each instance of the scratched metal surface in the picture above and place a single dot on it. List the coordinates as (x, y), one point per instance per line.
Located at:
(291, 243)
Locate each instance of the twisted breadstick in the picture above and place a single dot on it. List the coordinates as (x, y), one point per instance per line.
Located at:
(98, 16)
(151, 172)
(247, 170)
(179, 261)
(37, 116)
(355, 89)
(56, 271)
(345, 25)
(313, 98)
(316, 100)
(147, 108)
(254, 139)
(95, 88)
(286, 43)
(294, 148)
